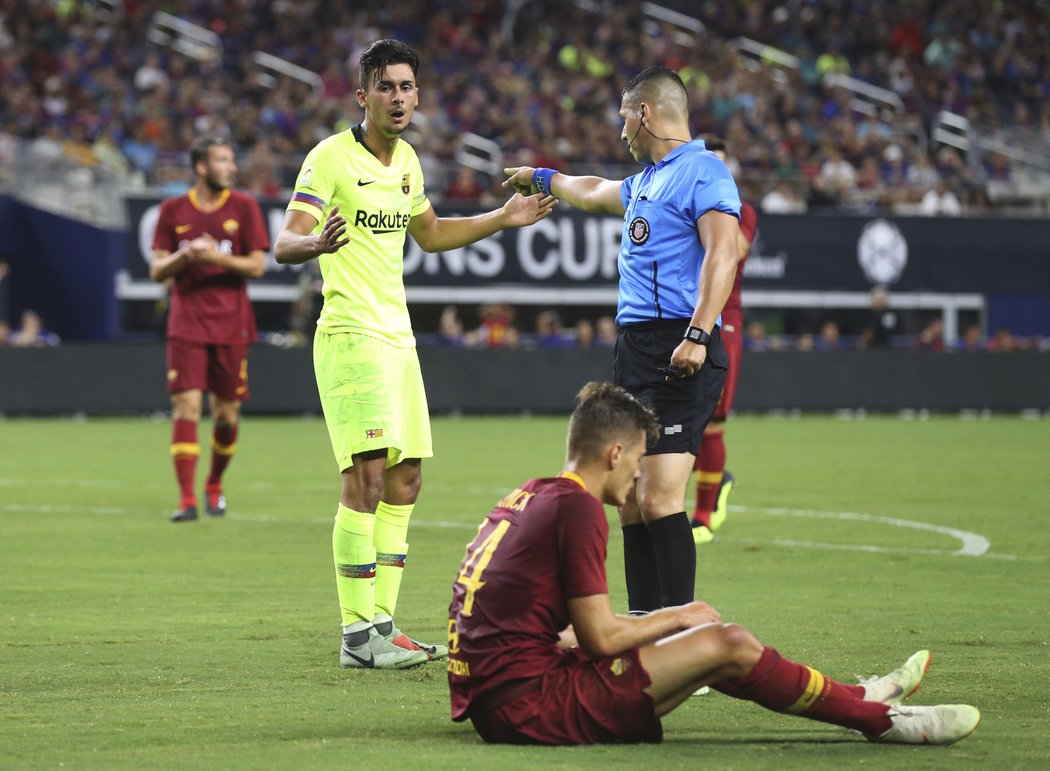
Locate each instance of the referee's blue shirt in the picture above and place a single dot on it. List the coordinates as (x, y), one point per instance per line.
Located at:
(660, 250)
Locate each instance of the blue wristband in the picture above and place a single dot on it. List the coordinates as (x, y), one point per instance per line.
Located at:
(541, 179)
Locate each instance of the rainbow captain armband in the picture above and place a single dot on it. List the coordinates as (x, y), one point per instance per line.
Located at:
(541, 179)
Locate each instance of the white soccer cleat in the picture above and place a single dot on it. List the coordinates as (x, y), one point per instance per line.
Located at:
(899, 684)
(378, 653)
(943, 724)
(434, 652)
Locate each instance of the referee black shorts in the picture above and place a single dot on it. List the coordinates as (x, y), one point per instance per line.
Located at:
(683, 405)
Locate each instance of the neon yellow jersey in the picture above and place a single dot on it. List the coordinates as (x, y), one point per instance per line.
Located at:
(364, 287)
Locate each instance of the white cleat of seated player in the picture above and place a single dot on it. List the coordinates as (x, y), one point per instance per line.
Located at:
(943, 724)
(899, 684)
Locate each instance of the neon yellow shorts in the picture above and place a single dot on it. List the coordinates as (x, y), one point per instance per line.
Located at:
(373, 397)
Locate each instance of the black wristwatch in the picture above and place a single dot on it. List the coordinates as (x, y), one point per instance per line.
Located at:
(697, 335)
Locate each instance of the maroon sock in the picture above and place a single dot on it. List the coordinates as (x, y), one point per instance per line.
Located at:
(782, 685)
(223, 445)
(710, 465)
(184, 454)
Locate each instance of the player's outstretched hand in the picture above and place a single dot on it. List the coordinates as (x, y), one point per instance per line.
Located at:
(333, 235)
(521, 210)
(520, 179)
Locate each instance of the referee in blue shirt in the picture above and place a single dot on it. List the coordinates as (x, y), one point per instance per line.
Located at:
(677, 262)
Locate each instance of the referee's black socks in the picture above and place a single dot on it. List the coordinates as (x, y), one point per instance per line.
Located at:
(639, 567)
(675, 556)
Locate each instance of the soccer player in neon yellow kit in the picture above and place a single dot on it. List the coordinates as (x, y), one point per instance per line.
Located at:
(357, 194)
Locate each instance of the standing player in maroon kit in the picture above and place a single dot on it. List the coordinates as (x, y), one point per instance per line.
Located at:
(208, 243)
(713, 482)
(522, 675)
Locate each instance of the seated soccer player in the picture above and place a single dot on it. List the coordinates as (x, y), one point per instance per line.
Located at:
(537, 656)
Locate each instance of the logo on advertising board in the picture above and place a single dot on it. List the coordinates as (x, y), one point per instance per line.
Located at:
(882, 252)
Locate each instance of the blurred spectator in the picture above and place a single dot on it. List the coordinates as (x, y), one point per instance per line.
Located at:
(806, 342)
(1004, 341)
(32, 333)
(931, 338)
(837, 178)
(830, 337)
(782, 200)
(584, 334)
(464, 187)
(5, 333)
(755, 338)
(497, 327)
(151, 76)
(971, 339)
(882, 323)
(140, 150)
(940, 202)
(450, 328)
(550, 331)
(605, 332)
(921, 174)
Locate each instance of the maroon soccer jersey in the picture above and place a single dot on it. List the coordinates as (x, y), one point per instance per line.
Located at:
(542, 545)
(209, 304)
(748, 227)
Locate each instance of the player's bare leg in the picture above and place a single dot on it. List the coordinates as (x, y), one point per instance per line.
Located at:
(185, 450)
(226, 420)
(680, 664)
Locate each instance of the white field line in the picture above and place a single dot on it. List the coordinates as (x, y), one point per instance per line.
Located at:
(971, 544)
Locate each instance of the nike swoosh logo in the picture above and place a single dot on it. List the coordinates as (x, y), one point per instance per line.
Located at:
(362, 183)
(182, 228)
(368, 663)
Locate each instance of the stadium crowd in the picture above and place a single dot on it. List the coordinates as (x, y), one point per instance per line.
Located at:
(541, 79)
(499, 325)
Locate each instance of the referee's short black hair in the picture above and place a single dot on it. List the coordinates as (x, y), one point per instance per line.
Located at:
(606, 412)
(380, 55)
(659, 86)
(199, 149)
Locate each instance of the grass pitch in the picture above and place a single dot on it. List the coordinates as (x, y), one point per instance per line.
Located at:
(129, 642)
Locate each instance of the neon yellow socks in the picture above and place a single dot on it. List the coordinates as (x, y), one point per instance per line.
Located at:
(391, 531)
(355, 564)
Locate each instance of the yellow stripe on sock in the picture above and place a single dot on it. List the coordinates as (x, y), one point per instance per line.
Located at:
(814, 689)
(223, 449)
(185, 448)
(709, 477)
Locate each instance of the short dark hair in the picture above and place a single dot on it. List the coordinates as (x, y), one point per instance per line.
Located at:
(380, 55)
(199, 149)
(605, 412)
(647, 83)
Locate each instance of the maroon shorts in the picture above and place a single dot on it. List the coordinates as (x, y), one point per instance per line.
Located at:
(219, 369)
(733, 340)
(582, 701)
